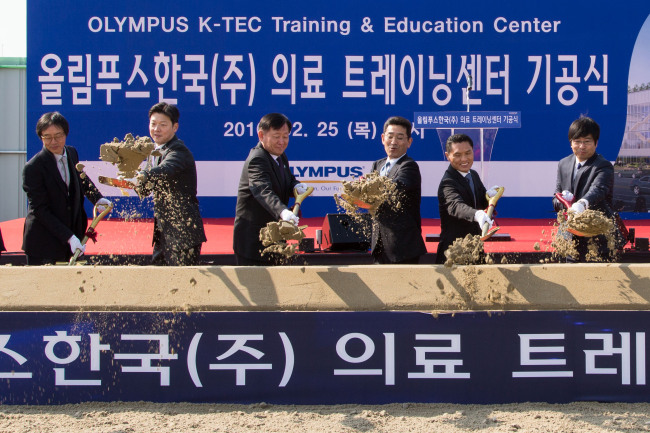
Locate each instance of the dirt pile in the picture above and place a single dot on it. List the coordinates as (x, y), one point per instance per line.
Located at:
(127, 154)
(465, 251)
(276, 234)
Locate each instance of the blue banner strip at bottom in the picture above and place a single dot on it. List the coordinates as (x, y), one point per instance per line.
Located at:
(323, 357)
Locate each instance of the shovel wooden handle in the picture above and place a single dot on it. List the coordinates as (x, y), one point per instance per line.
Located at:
(300, 198)
(492, 202)
(96, 219)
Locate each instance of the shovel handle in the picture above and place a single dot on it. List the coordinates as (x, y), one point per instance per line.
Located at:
(96, 219)
(567, 204)
(300, 198)
(492, 202)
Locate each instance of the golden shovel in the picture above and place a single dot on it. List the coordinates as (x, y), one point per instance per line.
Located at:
(486, 231)
(300, 198)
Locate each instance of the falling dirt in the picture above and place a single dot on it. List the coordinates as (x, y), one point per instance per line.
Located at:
(367, 192)
(127, 154)
(276, 234)
(465, 251)
(569, 226)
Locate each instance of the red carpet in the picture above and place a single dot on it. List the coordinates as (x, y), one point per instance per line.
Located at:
(116, 236)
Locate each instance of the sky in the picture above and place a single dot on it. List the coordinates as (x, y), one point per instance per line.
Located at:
(13, 28)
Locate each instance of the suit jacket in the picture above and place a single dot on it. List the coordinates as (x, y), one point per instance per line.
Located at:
(457, 208)
(594, 182)
(400, 229)
(263, 193)
(55, 212)
(177, 218)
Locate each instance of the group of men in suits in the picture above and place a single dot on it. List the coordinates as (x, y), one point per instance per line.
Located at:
(56, 219)
(266, 185)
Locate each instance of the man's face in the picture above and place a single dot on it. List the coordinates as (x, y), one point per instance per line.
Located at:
(584, 147)
(275, 141)
(395, 140)
(53, 139)
(461, 156)
(161, 128)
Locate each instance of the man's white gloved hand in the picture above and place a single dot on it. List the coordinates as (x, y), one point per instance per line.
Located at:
(287, 215)
(103, 204)
(139, 178)
(75, 244)
(578, 207)
(301, 188)
(481, 218)
(567, 195)
(492, 191)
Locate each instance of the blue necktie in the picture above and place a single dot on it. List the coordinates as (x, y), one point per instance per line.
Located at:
(575, 175)
(385, 169)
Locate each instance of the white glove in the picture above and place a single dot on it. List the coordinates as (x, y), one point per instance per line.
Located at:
(492, 191)
(481, 218)
(578, 207)
(139, 178)
(301, 188)
(567, 195)
(75, 244)
(287, 215)
(103, 204)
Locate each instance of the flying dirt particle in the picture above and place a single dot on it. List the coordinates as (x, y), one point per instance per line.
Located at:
(188, 309)
(173, 291)
(193, 281)
(440, 285)
(81, 289)
(536, 246)
(510, 288)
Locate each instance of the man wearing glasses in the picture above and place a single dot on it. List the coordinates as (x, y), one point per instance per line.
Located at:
(397, 226)
(586, 179)
(56, 218)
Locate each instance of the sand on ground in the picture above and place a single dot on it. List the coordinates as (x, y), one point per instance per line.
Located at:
(403, 417)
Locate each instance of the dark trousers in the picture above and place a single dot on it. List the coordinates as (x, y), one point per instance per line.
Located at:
(39, 261)
(164, 255)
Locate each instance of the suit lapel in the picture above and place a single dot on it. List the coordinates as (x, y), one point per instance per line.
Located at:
(468, 196)
(51, 166)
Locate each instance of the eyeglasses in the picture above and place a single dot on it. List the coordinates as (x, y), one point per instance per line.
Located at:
(48, 138)
(582, 142)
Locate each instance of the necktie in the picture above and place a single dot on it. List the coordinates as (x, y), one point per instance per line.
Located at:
(471, 185)
(63, 169)
(385, 169)
(575, 175)
(279, 161)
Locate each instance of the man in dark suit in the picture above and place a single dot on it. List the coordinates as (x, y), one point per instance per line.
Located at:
(265, 188)
(586, 178)
(461, 195)
(397, 230)
(56, 218)
(178, 228)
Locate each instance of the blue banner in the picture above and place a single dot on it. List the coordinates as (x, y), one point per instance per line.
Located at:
(324, 358)
(338, 70)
